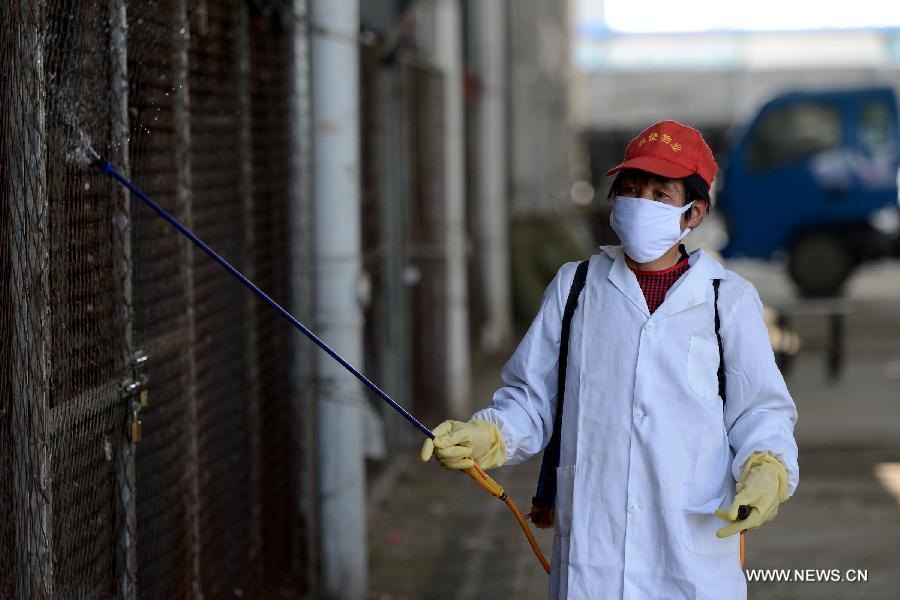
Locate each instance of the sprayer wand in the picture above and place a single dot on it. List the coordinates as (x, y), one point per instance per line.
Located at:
(475, 472)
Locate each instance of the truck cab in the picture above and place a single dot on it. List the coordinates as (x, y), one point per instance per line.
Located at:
(814, 177)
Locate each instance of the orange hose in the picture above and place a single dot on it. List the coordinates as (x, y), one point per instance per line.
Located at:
(495, 489)
(527, 530)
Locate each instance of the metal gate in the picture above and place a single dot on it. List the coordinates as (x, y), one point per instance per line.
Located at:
(114, 327)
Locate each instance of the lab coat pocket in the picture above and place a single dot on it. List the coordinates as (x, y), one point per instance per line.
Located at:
(700, 523)
(703, 367)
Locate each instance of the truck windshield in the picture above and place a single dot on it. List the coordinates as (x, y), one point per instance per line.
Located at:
(792, 133)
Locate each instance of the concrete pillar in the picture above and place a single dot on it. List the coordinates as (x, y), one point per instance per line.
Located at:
(336, 193)
(490, 222)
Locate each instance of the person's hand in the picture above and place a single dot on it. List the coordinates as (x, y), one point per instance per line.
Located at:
(762, 487)
(459, 445)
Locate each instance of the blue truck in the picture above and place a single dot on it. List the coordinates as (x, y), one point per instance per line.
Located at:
(813, 178)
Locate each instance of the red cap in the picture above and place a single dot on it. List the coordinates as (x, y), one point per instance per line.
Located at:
(672, 150)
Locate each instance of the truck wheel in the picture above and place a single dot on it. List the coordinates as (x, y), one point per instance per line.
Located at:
(820, 263)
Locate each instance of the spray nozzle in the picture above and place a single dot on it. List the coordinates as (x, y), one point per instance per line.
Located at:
(96, 160)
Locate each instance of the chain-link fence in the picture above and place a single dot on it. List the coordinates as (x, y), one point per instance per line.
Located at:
(148, 429)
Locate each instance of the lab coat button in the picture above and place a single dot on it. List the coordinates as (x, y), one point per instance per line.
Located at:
(638, 415)
(632, 507)
(650, 326)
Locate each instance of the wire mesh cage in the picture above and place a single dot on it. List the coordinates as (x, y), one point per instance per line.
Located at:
(148, 423)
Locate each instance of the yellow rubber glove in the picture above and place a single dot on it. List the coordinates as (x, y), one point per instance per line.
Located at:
(763, 486)
(459, 445)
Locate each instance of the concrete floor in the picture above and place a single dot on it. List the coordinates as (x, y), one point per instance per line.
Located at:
(436, 535)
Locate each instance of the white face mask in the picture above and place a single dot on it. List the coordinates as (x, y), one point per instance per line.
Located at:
(646, 227)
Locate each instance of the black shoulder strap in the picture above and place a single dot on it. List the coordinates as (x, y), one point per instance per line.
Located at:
(721, 372)
(546, 490)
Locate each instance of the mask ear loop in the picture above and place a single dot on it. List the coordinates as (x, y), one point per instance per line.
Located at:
(687, 230)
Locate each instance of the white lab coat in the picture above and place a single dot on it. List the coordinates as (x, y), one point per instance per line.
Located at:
(646, 455)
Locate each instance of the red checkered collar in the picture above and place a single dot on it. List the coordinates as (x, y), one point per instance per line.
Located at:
(682, 263)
